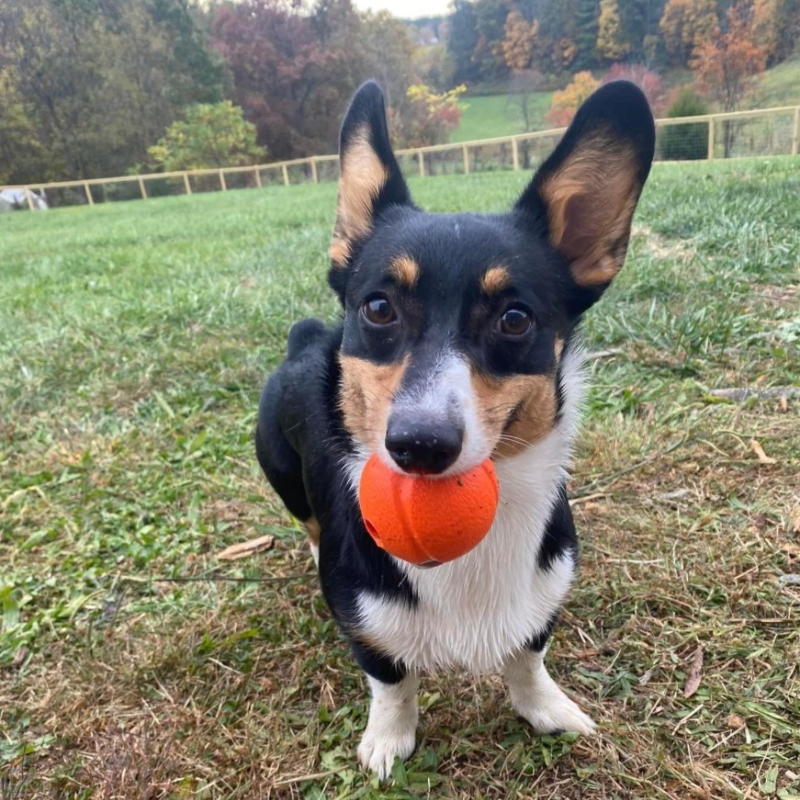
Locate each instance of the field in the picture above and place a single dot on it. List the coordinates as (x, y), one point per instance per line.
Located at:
(493, 115)
(134, 339)
(488, 116)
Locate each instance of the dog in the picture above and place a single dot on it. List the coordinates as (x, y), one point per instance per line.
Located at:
(457, 343)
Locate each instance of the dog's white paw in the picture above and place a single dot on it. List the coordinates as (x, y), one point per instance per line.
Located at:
(554, 715)
(378, 750)
(537, 698)
(392, 726)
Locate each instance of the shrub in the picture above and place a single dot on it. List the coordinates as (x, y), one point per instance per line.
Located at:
(211, 136)
(685, 142)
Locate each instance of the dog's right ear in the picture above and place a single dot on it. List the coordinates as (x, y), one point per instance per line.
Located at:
(370, 179)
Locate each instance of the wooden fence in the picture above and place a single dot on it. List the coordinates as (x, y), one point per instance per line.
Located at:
(762, 132)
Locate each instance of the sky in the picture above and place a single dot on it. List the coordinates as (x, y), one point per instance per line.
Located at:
(407, 9)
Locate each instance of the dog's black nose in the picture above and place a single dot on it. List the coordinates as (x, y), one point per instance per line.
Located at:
(428, 448)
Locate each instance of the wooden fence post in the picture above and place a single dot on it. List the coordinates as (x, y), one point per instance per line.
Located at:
(465, 153)
(314, 175)
(796, 132)
(285, 174)
(711, 139)
(421, 159)
(88, 191)
(515, 154)
(222, 181)
(257, 173)
(28, 198)
(142, 189)
(187, 184)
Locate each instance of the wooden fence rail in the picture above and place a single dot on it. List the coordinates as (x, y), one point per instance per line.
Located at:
(722, 135)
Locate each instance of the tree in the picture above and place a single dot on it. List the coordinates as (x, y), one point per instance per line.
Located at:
(685, 24)
(728, 65)
(611, 44)
(22, 155)
(520, 46)
(639, 27)
(101, 79)
(565, 103)
(426, 117)
(209, 136)
(462, 41)
(521, 91)
(787, 26)
(586, 19)
(685, 142)
(490, 19)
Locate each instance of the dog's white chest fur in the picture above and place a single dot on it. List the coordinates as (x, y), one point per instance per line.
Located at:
(476, 611)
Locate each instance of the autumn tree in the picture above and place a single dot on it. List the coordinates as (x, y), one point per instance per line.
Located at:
(685, 24)
(426, 117)
(521, 44)
(490, 19)
(728, 65)
(611, 44)
(565, 103)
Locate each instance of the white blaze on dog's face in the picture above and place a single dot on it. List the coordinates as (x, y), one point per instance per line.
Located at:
(457, 326)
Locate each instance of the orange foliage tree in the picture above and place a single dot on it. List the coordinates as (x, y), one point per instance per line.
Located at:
(686, 23)
(520, 44)
(728, 65)
(565, 103)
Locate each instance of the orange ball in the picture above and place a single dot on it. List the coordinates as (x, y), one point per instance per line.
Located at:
(427, 520)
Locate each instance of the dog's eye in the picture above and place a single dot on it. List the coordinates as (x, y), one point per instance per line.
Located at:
(378, 310)
(515, 322)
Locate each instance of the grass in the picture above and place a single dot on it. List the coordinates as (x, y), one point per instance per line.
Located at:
(780, 85)
(488, 116)
(495, 115)
(134, 339)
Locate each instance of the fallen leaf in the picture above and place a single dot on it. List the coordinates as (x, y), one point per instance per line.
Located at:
(763, 458)
(695, 673)
(735, 722)
(783, 403)
(245, 549)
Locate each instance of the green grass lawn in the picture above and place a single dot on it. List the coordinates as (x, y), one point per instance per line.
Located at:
(780, 85)
(134, 340)
(494, 115)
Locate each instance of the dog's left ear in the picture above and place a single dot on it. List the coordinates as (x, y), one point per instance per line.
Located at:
(370, 179)
(585, 193)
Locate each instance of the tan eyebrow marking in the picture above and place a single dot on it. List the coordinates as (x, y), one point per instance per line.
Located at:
(405, 270)
(494, 280)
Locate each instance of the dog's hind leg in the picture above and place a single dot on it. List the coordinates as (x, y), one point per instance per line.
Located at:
(537, 698)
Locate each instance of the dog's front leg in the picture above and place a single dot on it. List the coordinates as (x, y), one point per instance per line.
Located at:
(537, 698)
(392, 726)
